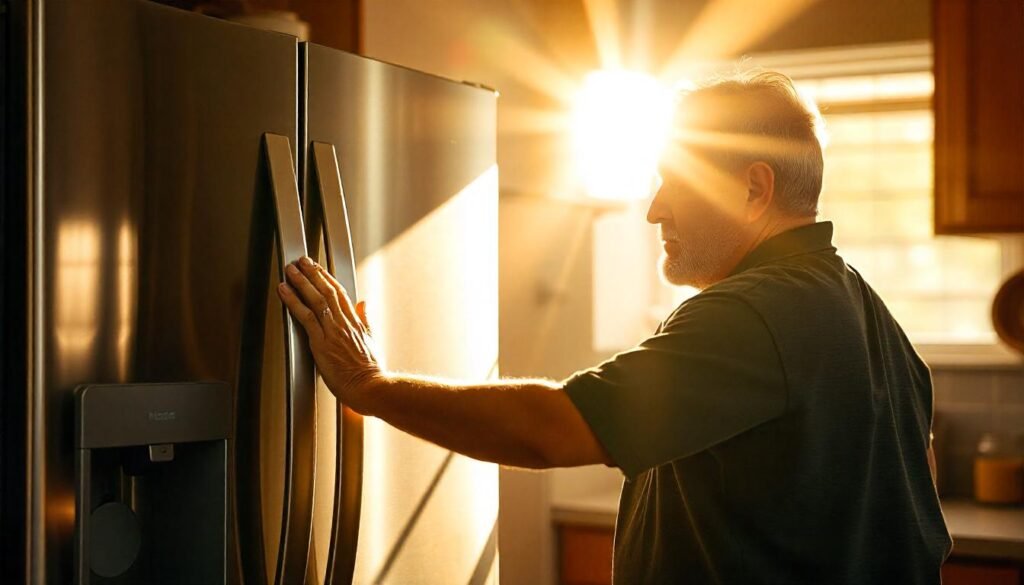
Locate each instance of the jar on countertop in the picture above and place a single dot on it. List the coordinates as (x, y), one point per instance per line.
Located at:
(999, 470)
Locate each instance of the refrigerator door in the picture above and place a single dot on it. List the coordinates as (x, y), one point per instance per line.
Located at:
(416, 155)
(154, 261)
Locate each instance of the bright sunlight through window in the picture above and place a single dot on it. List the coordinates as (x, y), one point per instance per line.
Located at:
(620, 122)
(878, 190)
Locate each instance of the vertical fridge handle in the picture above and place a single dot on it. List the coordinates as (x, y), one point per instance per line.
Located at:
(300, 440)
(325, 206)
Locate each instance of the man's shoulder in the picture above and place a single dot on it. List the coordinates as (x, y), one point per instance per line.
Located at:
(784, 293)
(810, 278)
(718, 303)
(747, 288)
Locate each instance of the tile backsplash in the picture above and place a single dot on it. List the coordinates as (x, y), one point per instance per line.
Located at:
(969, 403)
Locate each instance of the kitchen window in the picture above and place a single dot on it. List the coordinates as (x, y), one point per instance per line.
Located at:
(878, 192)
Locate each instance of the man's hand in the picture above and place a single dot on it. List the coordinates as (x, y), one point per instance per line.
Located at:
(339, 335)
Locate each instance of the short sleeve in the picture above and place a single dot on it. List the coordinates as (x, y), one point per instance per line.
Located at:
(710, 373)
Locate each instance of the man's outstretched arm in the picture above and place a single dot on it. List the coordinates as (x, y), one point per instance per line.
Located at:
(527, 423)
(523, 423)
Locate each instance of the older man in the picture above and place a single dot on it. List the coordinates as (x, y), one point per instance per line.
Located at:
(774, 429)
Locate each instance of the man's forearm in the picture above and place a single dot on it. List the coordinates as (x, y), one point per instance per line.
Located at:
(511, 422)
(522, 423)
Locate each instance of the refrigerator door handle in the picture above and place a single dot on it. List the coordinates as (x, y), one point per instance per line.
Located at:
(300, 439)
(325, 206)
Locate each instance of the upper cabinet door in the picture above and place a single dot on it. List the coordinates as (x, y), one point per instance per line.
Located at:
(979, 116)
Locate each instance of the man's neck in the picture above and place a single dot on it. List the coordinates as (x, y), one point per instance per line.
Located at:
(774, 226)
(771, 227)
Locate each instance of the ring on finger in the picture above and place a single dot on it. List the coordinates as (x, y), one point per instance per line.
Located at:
(325, 315)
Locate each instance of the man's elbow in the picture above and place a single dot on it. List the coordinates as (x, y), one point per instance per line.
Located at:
(574, 450)
(558, 434)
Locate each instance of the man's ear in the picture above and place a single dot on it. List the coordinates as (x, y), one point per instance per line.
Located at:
(760, 190)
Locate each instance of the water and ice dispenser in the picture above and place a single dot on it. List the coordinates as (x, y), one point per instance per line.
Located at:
(151, 483)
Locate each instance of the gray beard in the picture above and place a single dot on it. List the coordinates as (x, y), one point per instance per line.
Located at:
(702, 257)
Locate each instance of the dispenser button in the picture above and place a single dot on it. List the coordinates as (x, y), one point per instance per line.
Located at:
(161, 453)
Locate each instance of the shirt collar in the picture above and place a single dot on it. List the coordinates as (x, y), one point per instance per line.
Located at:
(815, 237)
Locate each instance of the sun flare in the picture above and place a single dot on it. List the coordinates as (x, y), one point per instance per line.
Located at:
(621, 121)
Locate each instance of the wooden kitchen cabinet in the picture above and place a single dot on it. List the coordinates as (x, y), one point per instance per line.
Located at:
(957, 572)
(584, 555)
(979, 116)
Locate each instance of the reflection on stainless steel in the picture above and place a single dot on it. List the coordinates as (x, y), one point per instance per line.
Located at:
(407, 527)
(435, 250)
(272, 427)
(77, 292)
(375, 160)
(348, 498)
(334, 215)
(324, 495)
(88, 188)
(406, 141)
(126, 275)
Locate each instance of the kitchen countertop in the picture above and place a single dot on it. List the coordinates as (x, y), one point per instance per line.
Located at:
(978, 531)
(985, 531)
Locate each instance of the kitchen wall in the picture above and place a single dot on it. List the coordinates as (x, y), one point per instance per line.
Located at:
(968, 403)
(525, 49)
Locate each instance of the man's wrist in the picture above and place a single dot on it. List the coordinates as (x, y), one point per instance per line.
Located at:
(366, 392)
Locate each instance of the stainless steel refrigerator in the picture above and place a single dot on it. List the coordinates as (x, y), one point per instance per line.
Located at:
(160, 166)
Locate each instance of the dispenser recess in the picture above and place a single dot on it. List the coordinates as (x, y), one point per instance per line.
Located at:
(151, 483)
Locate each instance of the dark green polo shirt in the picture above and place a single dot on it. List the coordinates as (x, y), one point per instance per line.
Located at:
(773, 430)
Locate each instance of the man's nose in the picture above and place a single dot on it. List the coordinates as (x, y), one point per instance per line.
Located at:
(657, 210)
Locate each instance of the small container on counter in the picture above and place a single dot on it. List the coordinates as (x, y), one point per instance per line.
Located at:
(999, 470)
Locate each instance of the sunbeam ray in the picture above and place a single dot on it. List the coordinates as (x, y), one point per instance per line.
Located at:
(527, 120)
(741, 142)
(725, 28)
(604, 26)
(707, 179)
(528, 66)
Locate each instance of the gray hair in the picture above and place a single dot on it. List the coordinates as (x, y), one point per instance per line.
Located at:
(769, 122)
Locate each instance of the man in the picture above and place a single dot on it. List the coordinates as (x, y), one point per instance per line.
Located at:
(776, 427)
